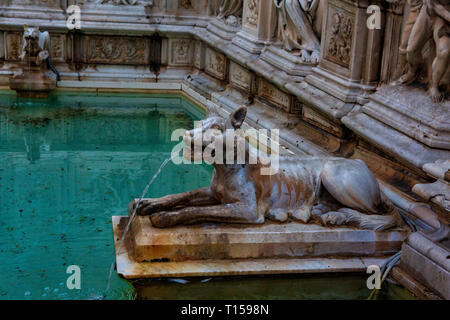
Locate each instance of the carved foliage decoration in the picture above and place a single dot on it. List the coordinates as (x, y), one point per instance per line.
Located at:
(340, 36)
(216, 64)
(252, 12)
(115, 50)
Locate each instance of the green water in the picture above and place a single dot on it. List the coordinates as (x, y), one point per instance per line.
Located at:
(67, 165)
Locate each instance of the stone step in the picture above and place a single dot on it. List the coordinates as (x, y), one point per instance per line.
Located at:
(129, 268)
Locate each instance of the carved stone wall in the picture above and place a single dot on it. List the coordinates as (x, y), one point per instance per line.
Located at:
(113, 50)
(215, 64)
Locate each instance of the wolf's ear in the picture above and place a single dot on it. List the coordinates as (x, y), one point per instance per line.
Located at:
(211, 111)
(37, 28)
(25, 27)
(238, 117)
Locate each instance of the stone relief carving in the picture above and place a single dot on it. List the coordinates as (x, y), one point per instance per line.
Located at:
(274, 95)
(340, 38)
(252, 12)
(300, 27)
(231, 12)
(120, 50)
(57, 48)
(185, 4)
(181, 51)
(216, 64)
(431, 22)
(240, 77)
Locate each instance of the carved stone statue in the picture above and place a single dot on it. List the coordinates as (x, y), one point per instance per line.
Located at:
(300, 27)
(331, 191)
(230, 11)
(38, 73)
(433, 22)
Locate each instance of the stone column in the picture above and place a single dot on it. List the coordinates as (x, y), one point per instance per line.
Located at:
(258, 25)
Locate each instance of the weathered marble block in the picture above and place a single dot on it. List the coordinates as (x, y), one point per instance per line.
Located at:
(291, 240)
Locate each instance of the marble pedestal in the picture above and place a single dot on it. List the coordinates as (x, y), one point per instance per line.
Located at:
(207, 249)
(32, 83)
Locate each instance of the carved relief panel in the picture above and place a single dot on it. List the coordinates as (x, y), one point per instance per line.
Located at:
(58, 47)
(115, 50)
(215, 64)
(199, 54)
(181, 52)
(13, 45)
(241, 77)
(339, 35)
(252, 13)
(275, 96)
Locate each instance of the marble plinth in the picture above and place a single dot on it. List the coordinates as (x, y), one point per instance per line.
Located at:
(32, 84)
(233, 249)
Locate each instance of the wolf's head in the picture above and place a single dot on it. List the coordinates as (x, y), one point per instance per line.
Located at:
(215, 134)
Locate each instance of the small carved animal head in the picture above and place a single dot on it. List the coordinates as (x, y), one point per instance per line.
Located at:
(30, 33)
(213, 135)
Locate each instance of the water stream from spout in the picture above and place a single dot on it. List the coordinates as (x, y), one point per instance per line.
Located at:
(132, 218)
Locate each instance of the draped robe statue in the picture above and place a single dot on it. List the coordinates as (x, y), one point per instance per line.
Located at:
(300, 27)
(230, 11)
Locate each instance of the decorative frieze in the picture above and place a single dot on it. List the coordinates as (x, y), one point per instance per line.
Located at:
(241, 77)
(181, 52)
(115, 50)
(215, 64)
(275, 96)
(185, 4)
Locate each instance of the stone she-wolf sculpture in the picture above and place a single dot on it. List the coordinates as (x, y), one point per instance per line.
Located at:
(331, 191)
(300, 27)
(432, 22)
